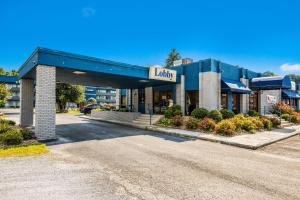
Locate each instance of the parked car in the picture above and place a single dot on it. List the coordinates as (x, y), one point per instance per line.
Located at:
(88, 108)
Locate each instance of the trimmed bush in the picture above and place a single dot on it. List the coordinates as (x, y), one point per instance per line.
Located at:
(282, 108)
(248, 125)
(227, 114)
(199, 113)
(206, 124)
(12, 137)
(177, 120)
(191, 123)
(253, 113)
(225, 127)
(165, 121)
(294, 119)
(168, 113)
(215, 115)
(257, 122)
(27, 134)
(286, 117)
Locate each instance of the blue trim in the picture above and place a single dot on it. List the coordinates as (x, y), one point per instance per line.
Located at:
(240, 87)
(264, 83)
(8, 79)
(290, 94)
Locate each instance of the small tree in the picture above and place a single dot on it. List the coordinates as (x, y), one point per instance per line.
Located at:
(3, 94)
(268, 73)
(91, 100)
(173, 55)
(68, 93)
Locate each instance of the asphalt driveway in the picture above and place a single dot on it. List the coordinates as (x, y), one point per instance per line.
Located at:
(97, 160)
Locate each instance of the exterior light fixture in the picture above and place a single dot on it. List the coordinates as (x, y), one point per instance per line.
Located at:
(79, 72)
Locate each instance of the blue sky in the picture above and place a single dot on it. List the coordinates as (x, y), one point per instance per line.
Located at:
(260, 35)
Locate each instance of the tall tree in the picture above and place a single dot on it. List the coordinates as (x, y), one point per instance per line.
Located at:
(2, 71)
(294, 77)
(12, 72)
(68, 93)
(268, 73)
(4, 92)
(173, 55)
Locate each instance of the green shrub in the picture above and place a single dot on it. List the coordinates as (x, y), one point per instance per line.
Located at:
(248, 125)
(4, 127)
(27, 134)
(191, 123)
(225, 127)
(8, 121)
(294, 119)
(165, 121)
(206, 124)
(253, 113)
(286, 117)
(177, 120)
(173, 111)
(267, 123)
(275, 121)
(215, 115)
(199, 113)
(227, 114)
(12, 137)
(257, 122)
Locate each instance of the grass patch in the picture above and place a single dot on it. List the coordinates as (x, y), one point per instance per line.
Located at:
(27, 150)
(73, 111)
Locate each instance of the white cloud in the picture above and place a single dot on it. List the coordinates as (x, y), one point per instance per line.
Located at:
(290, 67)
(88, 11)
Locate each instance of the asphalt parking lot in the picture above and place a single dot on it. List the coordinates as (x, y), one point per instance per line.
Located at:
(97, 160)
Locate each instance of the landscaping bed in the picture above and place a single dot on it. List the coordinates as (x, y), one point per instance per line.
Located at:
(15, 140)
(227, 123)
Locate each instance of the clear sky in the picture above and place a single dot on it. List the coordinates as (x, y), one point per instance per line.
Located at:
(257, 34)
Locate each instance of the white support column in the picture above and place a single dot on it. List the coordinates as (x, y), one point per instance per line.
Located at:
(148, 99)
(180, 94)
(118, 100)
(26, 101)
(210, 90)
(244, 98)
(45, 110)
(128, 98)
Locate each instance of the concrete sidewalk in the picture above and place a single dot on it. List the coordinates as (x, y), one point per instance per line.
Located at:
(248, 141)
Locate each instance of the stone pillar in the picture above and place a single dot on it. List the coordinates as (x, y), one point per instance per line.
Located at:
(118, 98)
(229, 101)
(148, 99)
(45, 109)
(135, 100)
(210, 90)
(180, 94)
(128, 98)
(244, 98)
(26, 101)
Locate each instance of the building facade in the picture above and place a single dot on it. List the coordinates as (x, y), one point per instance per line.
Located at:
(12, 84)
(101, 94)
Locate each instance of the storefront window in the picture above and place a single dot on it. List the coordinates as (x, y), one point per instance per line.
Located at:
(161, 101)
(192, 101)
(253, 101)
(224, 103)
(236, 103)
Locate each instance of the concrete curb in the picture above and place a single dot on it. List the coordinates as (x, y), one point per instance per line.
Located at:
(198, 135)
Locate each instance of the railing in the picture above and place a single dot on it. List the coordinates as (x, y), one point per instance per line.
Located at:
(150, 111)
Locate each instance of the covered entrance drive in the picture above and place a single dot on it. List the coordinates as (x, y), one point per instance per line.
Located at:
(46, 67)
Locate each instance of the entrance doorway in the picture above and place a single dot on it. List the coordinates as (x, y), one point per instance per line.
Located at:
(141, 96)
(192, 101)
(161, 101)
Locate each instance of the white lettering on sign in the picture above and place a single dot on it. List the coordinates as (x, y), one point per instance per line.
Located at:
(160, 73)
(271, 99)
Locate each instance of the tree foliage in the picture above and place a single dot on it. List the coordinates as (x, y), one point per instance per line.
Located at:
(4, 92)
(173, 55)
(268, 73)
(91, 100)
(68, 93)
(12, 72)
(294, 77)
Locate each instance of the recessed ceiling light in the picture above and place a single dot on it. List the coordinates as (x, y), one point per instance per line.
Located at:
(79, 72)
(143, 81)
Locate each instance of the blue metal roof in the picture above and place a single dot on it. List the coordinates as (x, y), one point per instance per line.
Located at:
(229, 85)
(8, 79)
(271, 83)
(290, 94)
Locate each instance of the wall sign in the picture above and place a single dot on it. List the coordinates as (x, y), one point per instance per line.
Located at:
(271, 99)
(163, 74)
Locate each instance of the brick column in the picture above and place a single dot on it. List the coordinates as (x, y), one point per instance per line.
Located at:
(118, 98)
(26, 101)
(45, 109)
(135, 100)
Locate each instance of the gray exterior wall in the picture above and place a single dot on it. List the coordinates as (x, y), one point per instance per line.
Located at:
(264, 106)
(148, 99)
(26, 114)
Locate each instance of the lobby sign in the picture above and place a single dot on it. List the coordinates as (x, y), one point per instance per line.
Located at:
(271, 99)
(163, 74)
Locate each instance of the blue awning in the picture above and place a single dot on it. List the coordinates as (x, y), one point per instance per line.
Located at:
(290, 94)
(271, 83)
(8, 79)
(229, 85)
